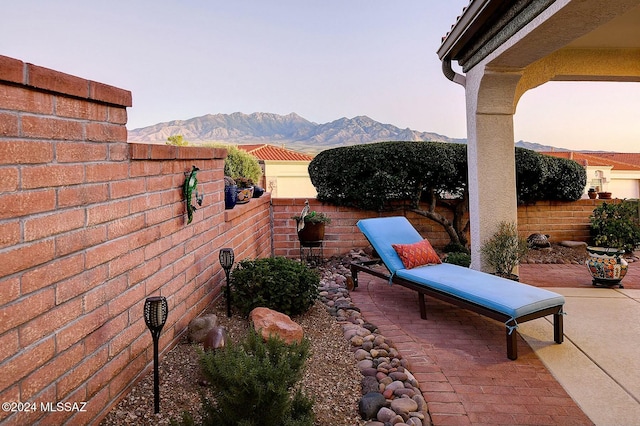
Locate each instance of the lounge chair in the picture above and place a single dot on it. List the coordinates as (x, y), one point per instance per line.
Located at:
(498, 298)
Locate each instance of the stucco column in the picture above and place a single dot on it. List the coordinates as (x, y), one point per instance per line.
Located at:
(491, 155)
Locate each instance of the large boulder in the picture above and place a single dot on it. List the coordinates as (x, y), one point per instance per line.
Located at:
(270, 322)
(199, 327)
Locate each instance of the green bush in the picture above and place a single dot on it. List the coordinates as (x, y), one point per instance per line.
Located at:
(278, 283)
(252, 384)
(239, 164)
(504, 250)
(616, 225)
(458, 258)
(543, 177)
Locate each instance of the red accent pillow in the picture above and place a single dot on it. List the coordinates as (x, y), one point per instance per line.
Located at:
(416, 254)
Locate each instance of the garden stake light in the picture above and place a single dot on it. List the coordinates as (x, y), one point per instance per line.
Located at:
(155, 315)
(226, 261)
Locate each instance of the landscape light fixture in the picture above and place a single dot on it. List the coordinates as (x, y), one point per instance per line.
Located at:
(155, 315)
(226, 261)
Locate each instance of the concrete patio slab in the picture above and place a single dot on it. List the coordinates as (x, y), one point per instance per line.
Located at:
(598, 364)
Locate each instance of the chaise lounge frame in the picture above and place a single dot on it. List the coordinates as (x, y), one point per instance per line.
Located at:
(422, 289)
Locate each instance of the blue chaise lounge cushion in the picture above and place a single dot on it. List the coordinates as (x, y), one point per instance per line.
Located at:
(499, 294)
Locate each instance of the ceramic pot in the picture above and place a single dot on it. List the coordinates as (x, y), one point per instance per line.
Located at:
(606, 265)
(230, 196)
(244, 195)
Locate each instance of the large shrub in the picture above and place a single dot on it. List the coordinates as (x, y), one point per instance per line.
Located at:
(278, 283)
(252, 384)
(616, 225)
(389, 175)
(544, 177)
(422, 175)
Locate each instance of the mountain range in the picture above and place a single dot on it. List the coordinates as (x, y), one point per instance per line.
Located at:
(293, 130)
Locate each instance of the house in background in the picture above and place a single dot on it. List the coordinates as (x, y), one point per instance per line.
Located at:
(285, 172)
(618, 173)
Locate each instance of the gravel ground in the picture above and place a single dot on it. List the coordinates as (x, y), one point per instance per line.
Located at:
(331, 376)
(557, 254)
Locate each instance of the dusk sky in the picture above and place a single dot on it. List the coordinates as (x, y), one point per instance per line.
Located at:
(320, 59)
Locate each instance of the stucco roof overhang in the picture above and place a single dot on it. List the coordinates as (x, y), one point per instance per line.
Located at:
(582, 34)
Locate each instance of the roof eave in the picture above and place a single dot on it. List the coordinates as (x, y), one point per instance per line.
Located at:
(472, 18)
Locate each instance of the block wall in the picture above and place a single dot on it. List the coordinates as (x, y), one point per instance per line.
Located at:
(90, 226)
(561, 220)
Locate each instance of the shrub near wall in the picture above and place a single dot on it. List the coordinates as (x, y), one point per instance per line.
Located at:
(89, 227)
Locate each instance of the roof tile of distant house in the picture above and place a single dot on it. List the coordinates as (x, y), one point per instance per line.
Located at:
(623, 157)
(600, 159)
(274, 153)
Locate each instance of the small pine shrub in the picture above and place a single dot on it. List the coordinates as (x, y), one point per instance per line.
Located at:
(253, 384)
(504, 250)
(277, 283)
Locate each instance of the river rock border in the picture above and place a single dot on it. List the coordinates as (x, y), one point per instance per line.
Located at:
(390, 393)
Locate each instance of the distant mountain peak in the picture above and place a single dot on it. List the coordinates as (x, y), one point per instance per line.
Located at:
(291, 129)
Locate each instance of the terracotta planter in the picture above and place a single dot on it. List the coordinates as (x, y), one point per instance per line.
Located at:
(592, 194)
(606, 265)
(311, 233)
(604, 195)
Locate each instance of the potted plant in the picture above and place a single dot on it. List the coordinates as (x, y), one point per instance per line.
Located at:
(310, 226)
(230, 193)
(592, 193)
(245, 189)
(504, 250)
(615, 229)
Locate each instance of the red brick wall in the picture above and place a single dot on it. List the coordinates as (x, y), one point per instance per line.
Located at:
(89, 227)
(561, 220)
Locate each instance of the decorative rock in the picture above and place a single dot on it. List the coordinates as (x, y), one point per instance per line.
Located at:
(269, 322)
(370, 404)
(404, 405)
(356, 341)
(369, 372)
(361, 354)
(216, 339)
(365, 363)
(572, 243)
(422, 404)
(369, 384)
(414, 421)
(400, 392)
(199, 327)
(398, 421)
(400, 376)
(395, 385)
(385, 415)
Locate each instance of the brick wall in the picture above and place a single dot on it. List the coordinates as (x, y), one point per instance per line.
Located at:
(89, 227)
(561, 220)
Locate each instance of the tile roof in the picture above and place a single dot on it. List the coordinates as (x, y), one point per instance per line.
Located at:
(623, 157)
(600, 159)
(268, 152)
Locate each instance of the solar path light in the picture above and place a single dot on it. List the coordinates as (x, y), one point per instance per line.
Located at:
(155, 315)
(226, 261)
